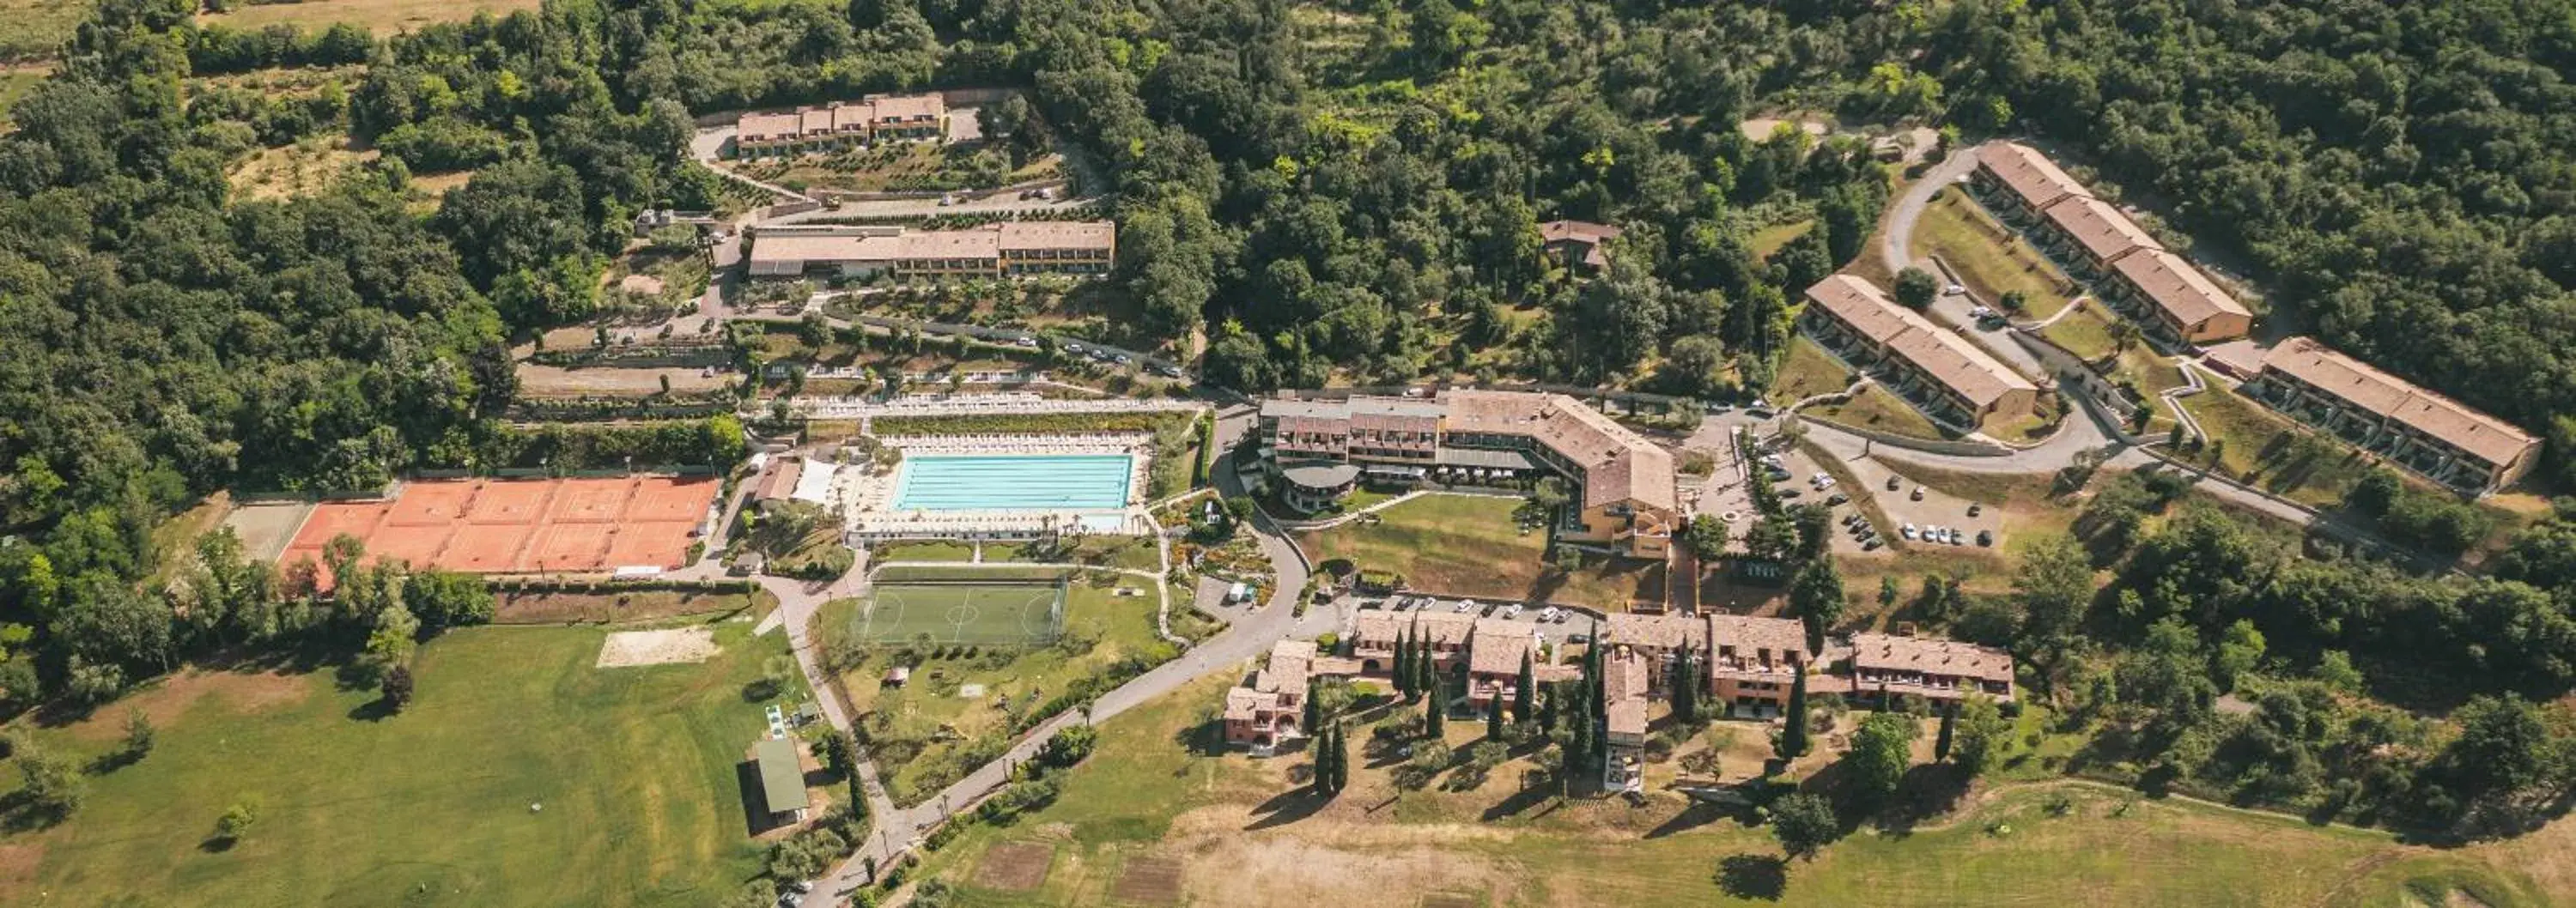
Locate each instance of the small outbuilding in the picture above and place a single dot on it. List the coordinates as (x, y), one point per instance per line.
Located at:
(782, 781)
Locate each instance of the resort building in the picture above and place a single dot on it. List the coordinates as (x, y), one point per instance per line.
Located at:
(1374, 638)
(1658, 639)
(1626, 678)
(1940, 372)
(1752, 662)
(1577, 243)
(2174, 300)
(868, 121)
(1940, 670)
(1623, 483)
(2088, 235)
(2428, 433)
(1263, 714)
(2018, 182)
(1009, 249)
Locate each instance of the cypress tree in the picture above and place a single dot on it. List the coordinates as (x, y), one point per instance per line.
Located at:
(1494, 716)
(1402, 671)
(1434, 719)
(1793, 740)
(1341, 757)
(1521, 695)
(1941, 745)
(1457, 680)
(1426, 670)
(1314, 711)
(1324, 762)
(1685, 694)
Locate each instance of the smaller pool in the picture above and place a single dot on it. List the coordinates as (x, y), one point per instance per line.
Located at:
(1014, 482)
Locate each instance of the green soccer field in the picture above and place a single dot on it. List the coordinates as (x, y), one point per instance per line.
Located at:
(984, 614)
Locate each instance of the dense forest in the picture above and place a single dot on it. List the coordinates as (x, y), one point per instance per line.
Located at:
(1309, 192)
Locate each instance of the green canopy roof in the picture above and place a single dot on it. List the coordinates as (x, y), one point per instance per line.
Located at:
(782, 782)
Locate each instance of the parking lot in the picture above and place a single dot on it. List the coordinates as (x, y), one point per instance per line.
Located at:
(1934, 509)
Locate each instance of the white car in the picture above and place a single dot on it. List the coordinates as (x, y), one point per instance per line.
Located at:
(1511, 611)
(1909, 532)
(1466, 605)
(1954, 290)
(1825, 483)
(1547, 614)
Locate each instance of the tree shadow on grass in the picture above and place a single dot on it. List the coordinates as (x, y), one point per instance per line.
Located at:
(1529, 795)
(1288, 807)
(1699, 813)
(1749, 876)
(376, 710)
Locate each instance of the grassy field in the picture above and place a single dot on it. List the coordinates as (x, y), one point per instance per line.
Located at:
(1880, 409)
(635, 769)
(925, 550)
(2250, 439)
(380, 16)
(1769, 239)
(929, 731)
(15, 82)
(1150, 821)
(1807, 370)
(2084, 332)
(1989, 258)
(1469, 545)
(974, 614)
(622, 607)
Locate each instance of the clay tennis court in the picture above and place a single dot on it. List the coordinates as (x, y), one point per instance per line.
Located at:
(496, 526)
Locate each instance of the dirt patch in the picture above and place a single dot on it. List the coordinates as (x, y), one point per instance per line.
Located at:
(164, 703)
(662, 647)
(1450, 900)
(1243, 870)
(1149, 881)
(541, 381)
(1016, 866)
(18, 863)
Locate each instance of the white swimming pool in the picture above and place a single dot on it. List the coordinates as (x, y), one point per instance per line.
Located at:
(1014, 482)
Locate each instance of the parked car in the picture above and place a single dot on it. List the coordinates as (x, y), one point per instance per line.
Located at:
(1869, 545)
(1975, 509)
(1918, 493)
(1466, 605)
(1909, 532)
(1758, 411)
(1790, 493)
(1561, 616)
(1837, 498)
(1985, 539)
(1893, 483)
(1578, 638)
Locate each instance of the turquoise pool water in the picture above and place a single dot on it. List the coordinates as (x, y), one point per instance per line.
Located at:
(1015, 482)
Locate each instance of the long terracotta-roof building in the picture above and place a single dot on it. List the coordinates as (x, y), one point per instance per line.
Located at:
(2175, 299)
(2019, 181)
(1939, 670)
(1624, 493)
(2428, 433)
(1010, 249)
(1932, 366)
(843, 124)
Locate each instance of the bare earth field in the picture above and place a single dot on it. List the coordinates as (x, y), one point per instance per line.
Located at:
(379, 16)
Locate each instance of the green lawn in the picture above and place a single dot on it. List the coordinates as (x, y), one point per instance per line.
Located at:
(926, 550)
(1990, 258)
(1469, 545)
(635, 769)
(2084, 332)
(926, 734)
(1769, 239)
(14, 84)
(1880, 409)
(1463, 544)
(2259, 446)
(1807, 370)
(1234, 828)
